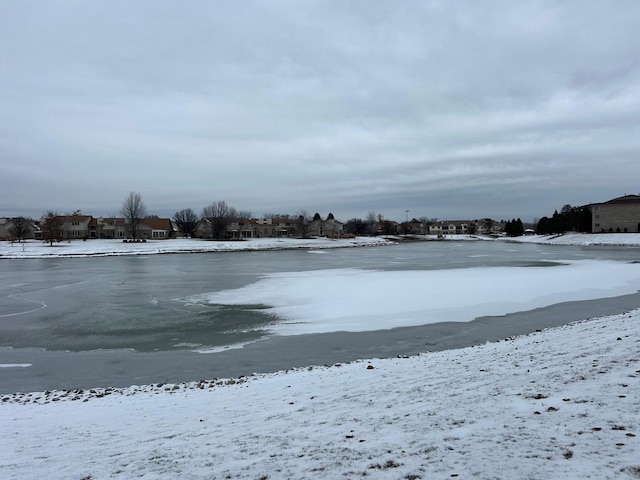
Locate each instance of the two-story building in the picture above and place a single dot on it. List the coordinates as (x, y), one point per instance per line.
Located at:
(107, 227)
(75, 227)
(451, 227)
(620, 214)
(328, 227)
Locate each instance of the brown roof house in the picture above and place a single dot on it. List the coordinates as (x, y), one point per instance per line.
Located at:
(155, 228)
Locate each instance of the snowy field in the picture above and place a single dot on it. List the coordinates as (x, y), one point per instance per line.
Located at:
(79, 248)
(561, 403)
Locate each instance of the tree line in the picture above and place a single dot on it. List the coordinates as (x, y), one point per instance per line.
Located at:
(570, 219)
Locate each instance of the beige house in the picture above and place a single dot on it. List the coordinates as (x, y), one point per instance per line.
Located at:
(450, 227)
(75, 226)
(86, 227)
(238, 228)
(329, 227)
(620, 214)
(274, 227)
(107, 227)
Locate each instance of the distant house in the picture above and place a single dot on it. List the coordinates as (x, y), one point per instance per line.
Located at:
(329, 227)
(243, 228)
(273, 227)
(7, 228)
(75, 226)
(416, 227)
(107, 227)
(620, 214)
(451, 227)
(156, 228)
(239, 228)
(488, 226)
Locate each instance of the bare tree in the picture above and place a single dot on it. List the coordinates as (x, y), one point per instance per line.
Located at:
(244, 214)
(134, 211)
(51, 227)
(20, 228)
(372, 223)
(187, 221)
(217, 215)
(302, 223)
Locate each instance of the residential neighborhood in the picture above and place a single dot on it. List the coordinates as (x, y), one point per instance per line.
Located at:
(620, 215)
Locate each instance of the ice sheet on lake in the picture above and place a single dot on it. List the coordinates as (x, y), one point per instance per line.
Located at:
(363, 300)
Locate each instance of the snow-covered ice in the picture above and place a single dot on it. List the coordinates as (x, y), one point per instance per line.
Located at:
(364, 300)
(561, 403)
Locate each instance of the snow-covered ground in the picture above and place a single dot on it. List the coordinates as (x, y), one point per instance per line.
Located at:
(613, 239)
(561, 403)
(79, 248)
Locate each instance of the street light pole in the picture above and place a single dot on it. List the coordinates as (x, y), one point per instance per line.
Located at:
(406, 224)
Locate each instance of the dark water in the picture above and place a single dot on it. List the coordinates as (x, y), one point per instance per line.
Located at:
(120, 319)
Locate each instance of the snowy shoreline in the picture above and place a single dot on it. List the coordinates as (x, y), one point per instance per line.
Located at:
(105, 248)
(555, 403)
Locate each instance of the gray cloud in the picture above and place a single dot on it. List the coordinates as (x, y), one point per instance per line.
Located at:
(450, 110)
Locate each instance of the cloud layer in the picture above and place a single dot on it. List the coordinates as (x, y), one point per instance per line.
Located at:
(460, 110)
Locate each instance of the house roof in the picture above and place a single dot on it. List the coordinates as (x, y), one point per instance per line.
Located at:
(158, 223)
(625, 199)
(75, 218)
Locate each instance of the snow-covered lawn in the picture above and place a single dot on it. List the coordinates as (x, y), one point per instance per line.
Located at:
(561, 403)
(79, 248)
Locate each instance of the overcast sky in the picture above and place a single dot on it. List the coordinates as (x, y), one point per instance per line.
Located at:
(452, 109)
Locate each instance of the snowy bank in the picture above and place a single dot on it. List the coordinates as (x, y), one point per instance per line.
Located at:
(78, 248)
(561, 403)
(581, 239)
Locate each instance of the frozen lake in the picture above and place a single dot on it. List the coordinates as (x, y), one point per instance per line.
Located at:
(81, 322)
